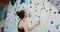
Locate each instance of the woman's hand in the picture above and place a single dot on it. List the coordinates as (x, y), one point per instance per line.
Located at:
(37, 23)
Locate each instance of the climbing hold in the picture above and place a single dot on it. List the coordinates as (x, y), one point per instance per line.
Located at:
(37, 3)
(15, 14)
(58, 12)
(29, 14)
(35, 10)
(48, 30)
(23, 7)
(15, 9)
(30, 1)
(13, 2)
(49, 9)
(38, 16)
(46, 10)
(30, 6)
(48, 0)
(52, 1)
(54, 12)
(43, 7)
(57, 3)
(51, 22)
(31, 21)
(22, 1)
(57, 26)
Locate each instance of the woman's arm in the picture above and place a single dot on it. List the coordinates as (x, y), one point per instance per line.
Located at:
(36, 24)
(27, 29)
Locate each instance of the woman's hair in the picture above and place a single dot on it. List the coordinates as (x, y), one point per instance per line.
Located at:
(21, 14)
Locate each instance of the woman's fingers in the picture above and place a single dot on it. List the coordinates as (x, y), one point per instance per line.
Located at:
(37, 23)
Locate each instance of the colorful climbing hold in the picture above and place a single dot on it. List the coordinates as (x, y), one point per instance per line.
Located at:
(54, 12)
(22, 1)
(30, 1)
(15, 9)
(13, 2)
(29, 14)
(46, 10)
(57, 26)
(52, 1)
(49, 9)
(57, 3)
(30, 6)
(43, 7)
(35, 10)
(15, 14)
(48, 0)
(58, 12)
(38, 16)
(31, 21)
(48, 30)
(51, 22)
(37, 3)
(6, 27)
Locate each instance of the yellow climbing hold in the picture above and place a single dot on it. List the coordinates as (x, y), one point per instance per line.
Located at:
(46, 10)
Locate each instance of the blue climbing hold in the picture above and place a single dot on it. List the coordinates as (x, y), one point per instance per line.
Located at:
(48, 0)
(57, 3)
(58, 12)
(48, 30)
(51, 22)
(22, 1)
(57, 26)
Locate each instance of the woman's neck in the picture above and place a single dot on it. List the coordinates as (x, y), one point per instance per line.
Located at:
(23, 20)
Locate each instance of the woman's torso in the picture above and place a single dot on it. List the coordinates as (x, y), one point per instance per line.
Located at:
(20, 29)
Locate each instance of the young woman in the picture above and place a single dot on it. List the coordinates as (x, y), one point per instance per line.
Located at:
(22, 26)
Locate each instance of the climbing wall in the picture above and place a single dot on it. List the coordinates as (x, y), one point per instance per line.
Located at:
(47, 11)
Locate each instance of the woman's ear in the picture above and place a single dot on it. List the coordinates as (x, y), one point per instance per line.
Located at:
(13, 2)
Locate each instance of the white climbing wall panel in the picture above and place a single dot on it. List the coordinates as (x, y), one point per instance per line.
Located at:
(47, 11)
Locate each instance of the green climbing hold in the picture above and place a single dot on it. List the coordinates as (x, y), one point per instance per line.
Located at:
(46, 10)
(29, 14)
(30, 1)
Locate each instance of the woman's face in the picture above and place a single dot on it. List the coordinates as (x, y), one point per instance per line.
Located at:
(25, 14)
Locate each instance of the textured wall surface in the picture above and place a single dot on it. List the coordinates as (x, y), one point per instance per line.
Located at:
(47, 11)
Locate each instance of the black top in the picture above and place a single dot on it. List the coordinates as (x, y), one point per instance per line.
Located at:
(20, 30)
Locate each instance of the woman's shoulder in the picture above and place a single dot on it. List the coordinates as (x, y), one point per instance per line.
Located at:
(22, 21)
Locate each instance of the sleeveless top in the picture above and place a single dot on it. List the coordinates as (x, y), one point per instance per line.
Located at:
(20, 30)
